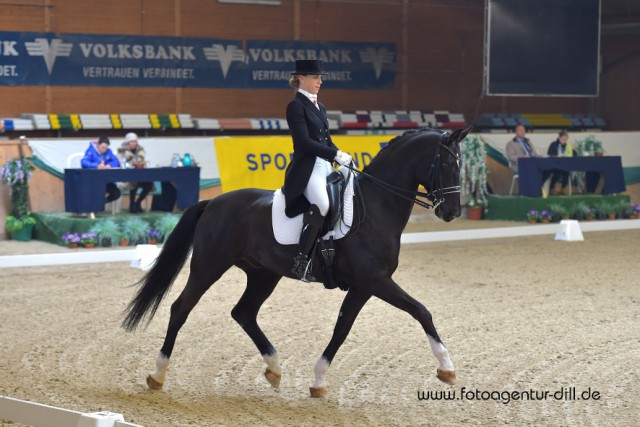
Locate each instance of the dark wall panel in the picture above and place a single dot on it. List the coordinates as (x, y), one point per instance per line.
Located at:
(439, 45)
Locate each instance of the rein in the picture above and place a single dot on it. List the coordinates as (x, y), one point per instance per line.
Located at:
(435, 198)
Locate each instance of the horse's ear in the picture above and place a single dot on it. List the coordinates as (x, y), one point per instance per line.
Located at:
(459, 135)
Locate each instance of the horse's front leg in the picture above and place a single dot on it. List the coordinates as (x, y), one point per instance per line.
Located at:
(351, 306)
(389, 291)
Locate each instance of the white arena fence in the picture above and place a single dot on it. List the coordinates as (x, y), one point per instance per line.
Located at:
(144, 255)
(39, 415)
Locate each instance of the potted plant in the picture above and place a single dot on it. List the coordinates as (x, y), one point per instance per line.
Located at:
(583, 211)
(88, 240)
(123, 240)
(107, 232)
(545, 217)
(606, 210)
(70, 239)
(165, 225)
(153, 236)
(560, 211)
(532, 216)
(17, 173)
(589, 146)
(473, 176)
(135, 229)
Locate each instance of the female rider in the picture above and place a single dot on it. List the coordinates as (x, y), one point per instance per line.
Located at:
(313, 154)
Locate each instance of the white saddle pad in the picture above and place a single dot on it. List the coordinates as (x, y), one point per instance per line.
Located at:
(287, 230)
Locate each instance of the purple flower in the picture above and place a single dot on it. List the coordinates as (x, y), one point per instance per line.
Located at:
(154, 234)
(70, 237)
(636, 208)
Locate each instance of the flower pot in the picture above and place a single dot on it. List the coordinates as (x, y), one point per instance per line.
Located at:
(633, 216)
(474, 213)
(72, 245)
(24, 234)
(89, 245)
(545, 221)
(565, 216)
(124, 242)
(599, 153)
(532, 221)
(611, 216)
(152, 241)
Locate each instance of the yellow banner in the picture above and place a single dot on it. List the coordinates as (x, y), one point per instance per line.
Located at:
(260, 162)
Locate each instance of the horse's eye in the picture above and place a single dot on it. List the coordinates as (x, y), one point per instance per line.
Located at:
(447, 165)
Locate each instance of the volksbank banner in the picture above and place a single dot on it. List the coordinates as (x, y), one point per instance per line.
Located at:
(56, 59)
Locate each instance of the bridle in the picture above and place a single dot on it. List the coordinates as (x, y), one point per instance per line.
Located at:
(434, 197)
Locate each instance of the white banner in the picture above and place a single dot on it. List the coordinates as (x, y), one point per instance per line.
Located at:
(55, 152)
(623, 144)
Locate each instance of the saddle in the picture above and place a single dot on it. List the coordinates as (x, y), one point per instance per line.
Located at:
(335, 191)
(337, 223)
(336, 185)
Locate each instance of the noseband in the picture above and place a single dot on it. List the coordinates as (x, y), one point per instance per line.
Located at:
(435, 197)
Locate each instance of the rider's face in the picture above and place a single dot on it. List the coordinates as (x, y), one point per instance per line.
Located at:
(311, 83)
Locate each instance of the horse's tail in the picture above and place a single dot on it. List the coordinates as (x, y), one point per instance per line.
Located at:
(156, 283)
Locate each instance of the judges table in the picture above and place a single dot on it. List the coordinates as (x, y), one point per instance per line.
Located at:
(84, 189)
(531, 169)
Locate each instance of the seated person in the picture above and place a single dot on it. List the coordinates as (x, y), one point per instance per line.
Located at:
(559, 179)
(134, 155)
(100, 156)
(519, 146)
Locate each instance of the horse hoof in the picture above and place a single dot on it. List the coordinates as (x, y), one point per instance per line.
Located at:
(448, 377)
(273, 378)
(318, 391)
(153, 384)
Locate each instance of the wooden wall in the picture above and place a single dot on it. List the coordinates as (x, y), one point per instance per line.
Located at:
(440, 47)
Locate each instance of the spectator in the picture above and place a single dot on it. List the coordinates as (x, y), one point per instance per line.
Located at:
(519, 146)
(559, 179)
(100, 156)
(133, 154)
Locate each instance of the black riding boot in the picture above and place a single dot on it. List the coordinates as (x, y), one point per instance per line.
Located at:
(313, 222)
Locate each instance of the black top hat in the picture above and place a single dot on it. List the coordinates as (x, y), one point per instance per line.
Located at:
(309, 66)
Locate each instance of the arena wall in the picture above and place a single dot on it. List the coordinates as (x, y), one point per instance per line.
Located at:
(440, 49)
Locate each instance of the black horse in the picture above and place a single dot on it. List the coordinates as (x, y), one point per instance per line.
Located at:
(235, 229)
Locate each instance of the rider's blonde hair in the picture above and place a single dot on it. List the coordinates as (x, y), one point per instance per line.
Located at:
(294, 81)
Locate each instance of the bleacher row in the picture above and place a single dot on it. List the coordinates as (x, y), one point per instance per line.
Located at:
(337, 120)
(540, 121)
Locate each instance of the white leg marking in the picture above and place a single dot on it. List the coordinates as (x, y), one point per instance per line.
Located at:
(162, 365)
(442, 354)
(273, 363)
(322, 366)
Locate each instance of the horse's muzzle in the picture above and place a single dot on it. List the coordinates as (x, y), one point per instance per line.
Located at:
(448, 216)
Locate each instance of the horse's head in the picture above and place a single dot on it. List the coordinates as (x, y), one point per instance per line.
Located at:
(443, 180)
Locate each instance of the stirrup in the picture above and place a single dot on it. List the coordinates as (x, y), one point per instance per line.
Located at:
(302, 268)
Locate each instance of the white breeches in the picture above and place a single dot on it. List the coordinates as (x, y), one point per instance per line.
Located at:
(316, 191)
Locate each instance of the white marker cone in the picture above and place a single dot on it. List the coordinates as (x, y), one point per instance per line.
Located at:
(569, 231)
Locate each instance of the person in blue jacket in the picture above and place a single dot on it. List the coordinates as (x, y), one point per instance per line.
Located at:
(100, 156)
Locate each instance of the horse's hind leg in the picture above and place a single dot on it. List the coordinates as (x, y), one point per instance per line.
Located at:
(389, 291)
(201, 278)
(260, 285)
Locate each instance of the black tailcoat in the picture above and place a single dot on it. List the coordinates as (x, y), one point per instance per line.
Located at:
(309, 129)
